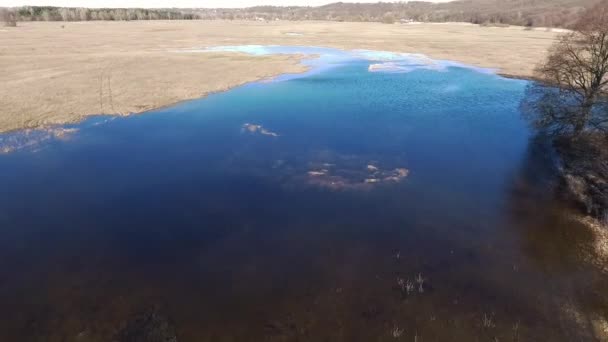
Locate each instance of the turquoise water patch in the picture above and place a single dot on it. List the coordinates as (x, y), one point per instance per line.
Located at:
(321, 58)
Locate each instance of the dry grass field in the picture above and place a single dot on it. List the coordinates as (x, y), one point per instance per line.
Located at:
(55, 72)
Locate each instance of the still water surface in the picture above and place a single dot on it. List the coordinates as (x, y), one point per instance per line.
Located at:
(301, 210)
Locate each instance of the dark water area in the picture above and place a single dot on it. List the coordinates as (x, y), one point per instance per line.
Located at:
(345, 205)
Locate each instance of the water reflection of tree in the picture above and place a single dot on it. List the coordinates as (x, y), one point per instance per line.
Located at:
(570, 105)
(558, 111)
(548, 237)
(571, 97)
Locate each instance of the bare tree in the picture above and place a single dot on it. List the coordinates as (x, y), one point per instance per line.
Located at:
(571, 97)
(84, 14)
(8, 16)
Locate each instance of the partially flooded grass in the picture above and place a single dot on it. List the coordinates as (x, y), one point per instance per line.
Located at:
(33, 139)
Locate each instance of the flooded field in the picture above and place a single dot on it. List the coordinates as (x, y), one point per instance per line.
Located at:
(378, 197)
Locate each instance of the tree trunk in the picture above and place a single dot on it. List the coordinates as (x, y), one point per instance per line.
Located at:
(583, 119)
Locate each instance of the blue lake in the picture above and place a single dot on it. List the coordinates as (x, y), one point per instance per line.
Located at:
(296, 210)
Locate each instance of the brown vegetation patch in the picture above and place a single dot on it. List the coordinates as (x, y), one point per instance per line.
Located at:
(33, 138)
(341, 177)
(585, 173)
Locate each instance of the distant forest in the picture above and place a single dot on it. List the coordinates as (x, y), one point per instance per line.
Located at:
(47, 13)
(549, 13)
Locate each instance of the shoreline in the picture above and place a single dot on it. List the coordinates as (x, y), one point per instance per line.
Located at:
(83, 118)
(295, 57)
(119, 68)
(293, 66)
(517, 77)
(582, 185)
(298, 58)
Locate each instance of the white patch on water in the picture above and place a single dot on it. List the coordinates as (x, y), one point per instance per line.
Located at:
(388, 56)
(257, 50)
(452, 88)
(402, 67)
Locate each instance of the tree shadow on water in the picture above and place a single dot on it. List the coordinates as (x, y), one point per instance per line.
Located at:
(557, 246)
(549, 234)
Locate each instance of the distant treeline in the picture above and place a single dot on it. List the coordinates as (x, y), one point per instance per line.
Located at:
(36, 13)
(550, 13)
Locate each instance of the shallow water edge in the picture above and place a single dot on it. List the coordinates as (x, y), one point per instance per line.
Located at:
(311, 59)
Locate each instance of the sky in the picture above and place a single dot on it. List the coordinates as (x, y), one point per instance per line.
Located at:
(172, 3)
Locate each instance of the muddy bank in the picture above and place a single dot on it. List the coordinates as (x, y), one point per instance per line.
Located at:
(584, 172)
(584, 183)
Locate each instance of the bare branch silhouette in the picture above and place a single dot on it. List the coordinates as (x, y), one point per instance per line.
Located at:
(571, 97)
